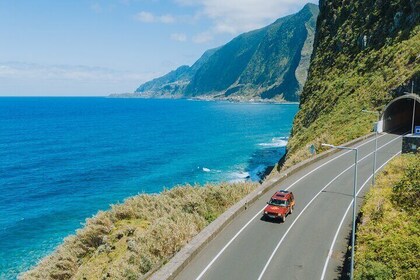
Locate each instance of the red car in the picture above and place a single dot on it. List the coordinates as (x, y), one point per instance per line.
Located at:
(280, 205)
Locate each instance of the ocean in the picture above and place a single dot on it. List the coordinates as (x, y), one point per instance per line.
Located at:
(63, 159)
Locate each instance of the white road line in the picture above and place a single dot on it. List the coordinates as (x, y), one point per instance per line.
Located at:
(310, 172)
(307, 205)
(310, 202)
(324, 270)
(258, 213)
(227, 245)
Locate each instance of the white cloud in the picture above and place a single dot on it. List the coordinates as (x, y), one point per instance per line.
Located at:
(202, 38)
(17, 77)
(166, 19)
(71, 72)
(236, 16)
(145, 17)
(180, 37)
(148, 17)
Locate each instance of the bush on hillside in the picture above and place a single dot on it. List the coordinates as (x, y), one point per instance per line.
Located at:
(134, 237)
(388, 238)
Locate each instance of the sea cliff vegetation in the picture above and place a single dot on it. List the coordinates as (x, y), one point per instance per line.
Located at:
(388, 237)
(138, 235)
(268, 64)
(365, 53)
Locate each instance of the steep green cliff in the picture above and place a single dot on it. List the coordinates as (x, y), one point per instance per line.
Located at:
(269, 63)
(174, 83)
(364, 53)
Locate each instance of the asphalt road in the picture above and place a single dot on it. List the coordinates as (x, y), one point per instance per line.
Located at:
(311, 243)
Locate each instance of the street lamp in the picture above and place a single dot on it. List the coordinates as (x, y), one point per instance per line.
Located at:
(376, 143)
(414, 107)
(356, 159)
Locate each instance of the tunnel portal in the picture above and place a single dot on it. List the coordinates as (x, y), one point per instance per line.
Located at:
(398, 114)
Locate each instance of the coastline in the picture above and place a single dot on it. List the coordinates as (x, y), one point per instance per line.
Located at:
(203, 98)
(136, 237)
(134, 138)
(125, 229)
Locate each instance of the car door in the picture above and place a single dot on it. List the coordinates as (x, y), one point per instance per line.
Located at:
(292, 199)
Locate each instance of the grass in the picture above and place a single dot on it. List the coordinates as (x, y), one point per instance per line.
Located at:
(138, 235)
(345, 78)
(388, 237)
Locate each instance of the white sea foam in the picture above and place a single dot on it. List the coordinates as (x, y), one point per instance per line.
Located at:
(205, 169)
(276, 142)
(243, 176)
(238, 176)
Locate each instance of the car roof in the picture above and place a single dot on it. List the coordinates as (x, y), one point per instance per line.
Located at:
(281, 195)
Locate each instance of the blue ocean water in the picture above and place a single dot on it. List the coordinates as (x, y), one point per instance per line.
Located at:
(63, 159)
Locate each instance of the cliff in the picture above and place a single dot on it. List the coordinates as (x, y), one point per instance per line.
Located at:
(364, 53)
(265, 64)
(174, 83)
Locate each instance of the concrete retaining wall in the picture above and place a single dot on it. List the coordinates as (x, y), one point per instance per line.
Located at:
(410, 144)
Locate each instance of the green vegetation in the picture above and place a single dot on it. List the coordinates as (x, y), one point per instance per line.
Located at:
(364, 50)
(269, 63)
(137, 236)
(173, 84)
(388, 238)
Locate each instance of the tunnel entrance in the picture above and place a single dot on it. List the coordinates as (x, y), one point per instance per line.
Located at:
(398, 114)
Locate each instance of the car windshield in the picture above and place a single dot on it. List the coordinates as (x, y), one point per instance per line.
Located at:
(278, 202)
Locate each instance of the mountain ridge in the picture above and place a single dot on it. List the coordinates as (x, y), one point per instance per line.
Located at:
(267, 64)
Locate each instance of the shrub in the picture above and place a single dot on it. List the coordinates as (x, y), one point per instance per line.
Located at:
(388, 238)
(138, 235)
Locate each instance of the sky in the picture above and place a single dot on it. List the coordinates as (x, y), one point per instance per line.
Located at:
(99, 47)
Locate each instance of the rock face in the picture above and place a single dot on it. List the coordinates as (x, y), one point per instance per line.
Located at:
(364, 51)
(265, 64)
(174, 83)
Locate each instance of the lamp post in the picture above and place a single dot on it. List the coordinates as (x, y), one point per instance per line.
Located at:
(414, 116)
(376, 143)
(414, 108)
(356, 158)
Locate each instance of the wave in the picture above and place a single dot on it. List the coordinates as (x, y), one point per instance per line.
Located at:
(254, 175)
(238, 176)
(276, 142)
(208, 170)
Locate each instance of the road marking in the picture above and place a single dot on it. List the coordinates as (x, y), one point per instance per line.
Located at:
(310, 172)
(259, 212)
(324, 270)
(307, 205)
(227, 245)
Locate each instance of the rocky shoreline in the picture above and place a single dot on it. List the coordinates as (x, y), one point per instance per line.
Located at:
(233, 99)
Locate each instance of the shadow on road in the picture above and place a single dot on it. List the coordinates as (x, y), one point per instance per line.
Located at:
(270, 220)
